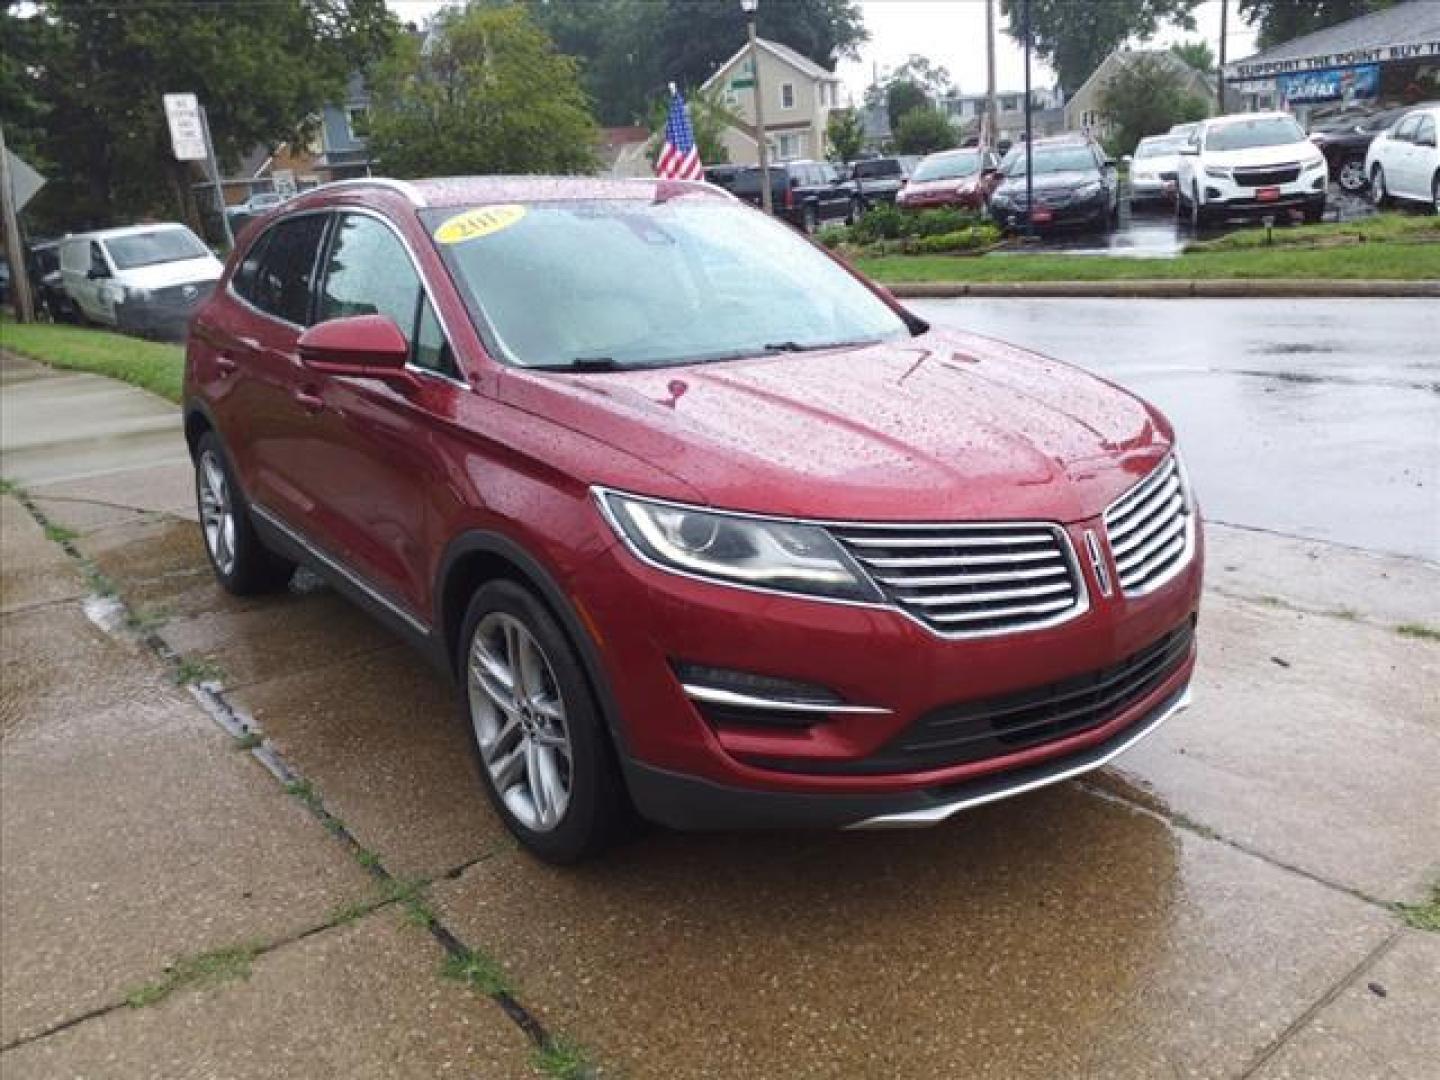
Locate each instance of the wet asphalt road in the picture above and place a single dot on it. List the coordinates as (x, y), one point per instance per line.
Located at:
(1314, 418)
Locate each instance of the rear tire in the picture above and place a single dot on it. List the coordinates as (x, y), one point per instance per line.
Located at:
(1435, 194)
(1379, 194)
(809, 220)
(241, 561)
(1352, 176)
(539, 741)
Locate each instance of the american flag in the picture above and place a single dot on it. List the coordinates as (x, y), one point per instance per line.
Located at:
(679, 159)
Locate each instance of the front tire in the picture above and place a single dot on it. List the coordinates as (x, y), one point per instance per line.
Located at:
(1379, 194)
(1352, 176)
(536, 732)
(809, 220)
(241, 561)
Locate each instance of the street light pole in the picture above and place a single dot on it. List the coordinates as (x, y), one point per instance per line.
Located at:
(766, 200)
(1029, 170)
(1220, 67)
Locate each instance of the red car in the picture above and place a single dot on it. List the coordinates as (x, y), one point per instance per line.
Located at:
(703, 524)
(956, 178)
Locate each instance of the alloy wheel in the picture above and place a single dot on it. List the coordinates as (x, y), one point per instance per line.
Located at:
(217, 512)
(1352, 175)
(520, 722)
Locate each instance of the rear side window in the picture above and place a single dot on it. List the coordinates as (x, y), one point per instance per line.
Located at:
(1425, 133)
(1405, 130)
(287, 266)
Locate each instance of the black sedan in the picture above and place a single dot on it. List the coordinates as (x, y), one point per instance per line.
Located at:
(1074, 184)
(1344, 146)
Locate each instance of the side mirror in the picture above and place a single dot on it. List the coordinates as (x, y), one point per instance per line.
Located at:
(361, 346)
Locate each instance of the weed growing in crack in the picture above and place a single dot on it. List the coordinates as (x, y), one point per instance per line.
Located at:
(59, 534)
(203, 969)
(99, 584)
(143, 620)
(192, 671)
(249, 741)
(562, 1059)
(306, 793)
(367, 858)
(1419, 631)
(477, 970)
(8, 487)
(1424, 915)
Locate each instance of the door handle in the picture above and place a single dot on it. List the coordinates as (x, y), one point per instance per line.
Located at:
(311, 403)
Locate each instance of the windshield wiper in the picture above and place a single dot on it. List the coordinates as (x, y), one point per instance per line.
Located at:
(580, 363)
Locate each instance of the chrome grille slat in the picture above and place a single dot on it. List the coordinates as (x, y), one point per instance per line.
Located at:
(1150, 529)
(971, 580)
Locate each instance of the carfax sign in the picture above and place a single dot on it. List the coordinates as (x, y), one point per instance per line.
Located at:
(1335, 84)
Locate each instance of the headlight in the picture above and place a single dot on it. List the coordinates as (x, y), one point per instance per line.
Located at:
(758, 552)
(1088, 191)
(134, 294)
(1318, 163)
(1219, 172)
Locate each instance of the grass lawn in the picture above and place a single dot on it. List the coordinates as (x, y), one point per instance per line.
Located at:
(147, 364)
(1393, 261)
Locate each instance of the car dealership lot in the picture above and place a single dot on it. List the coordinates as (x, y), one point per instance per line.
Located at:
(1216, 904)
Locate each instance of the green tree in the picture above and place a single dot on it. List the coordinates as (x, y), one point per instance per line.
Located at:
(1146, 96)
(83, 85)
(1197, 54)
(923, 131)
(1279, 21)
(630, 49)
(487, 93)
(903, 97)
(1075, 37)
(844, 135)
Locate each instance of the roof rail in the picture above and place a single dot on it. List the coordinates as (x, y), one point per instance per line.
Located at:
(410, 191)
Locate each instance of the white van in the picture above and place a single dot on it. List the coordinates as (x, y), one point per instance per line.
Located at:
(146, 278)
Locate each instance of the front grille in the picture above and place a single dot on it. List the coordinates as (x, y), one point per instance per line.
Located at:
(1150, 529)
(975, 730)
(182, 296)
(1170, 176)
(968, 580)
(1268, 176)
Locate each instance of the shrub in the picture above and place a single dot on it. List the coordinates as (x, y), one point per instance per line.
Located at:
(883, 222)
(886, 222)
(940, 222)
(970, 238)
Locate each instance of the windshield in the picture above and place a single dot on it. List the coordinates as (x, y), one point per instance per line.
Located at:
(1053, 160)
(1245, 134)
(868, 170)
(946, 167)
(151, 248)
(1158, 148)
(634, 284)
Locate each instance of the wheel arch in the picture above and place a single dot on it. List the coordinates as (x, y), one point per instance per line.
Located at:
(478, 556)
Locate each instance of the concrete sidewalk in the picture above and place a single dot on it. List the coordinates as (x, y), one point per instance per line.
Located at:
(1221, 906)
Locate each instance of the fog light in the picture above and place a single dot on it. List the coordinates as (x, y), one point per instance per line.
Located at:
(741, 698)
(766, 689)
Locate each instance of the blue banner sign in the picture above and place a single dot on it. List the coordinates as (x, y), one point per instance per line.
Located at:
(1332, 84)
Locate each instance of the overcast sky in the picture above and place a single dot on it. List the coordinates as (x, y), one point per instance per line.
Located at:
(951, 33)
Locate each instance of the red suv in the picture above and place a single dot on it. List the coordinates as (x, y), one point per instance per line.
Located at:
(703, 524)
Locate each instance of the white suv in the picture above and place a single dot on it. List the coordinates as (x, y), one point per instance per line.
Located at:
(1404, 162)
(1250, 164)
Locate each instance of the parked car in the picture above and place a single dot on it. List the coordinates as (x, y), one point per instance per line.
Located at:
(958, 178)
(1344, 146)
(1075, 184)
(1250, 164)
(805, 193)
(145, 279)
(722, 176)
(874, 181)
(52, 302)
(1185, 130)
(1153, 169)
(1404, 163)
(679, 502)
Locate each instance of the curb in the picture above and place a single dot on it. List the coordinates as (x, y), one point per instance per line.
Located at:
(1178, 289)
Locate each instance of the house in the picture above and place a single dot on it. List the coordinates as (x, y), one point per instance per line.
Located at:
(345, 133)
(624, 152)
(1046, 115)
(799, 95)
(1083, 112)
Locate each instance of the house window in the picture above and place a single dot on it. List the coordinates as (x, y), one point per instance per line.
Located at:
(792, 146)
(787, 95)
(357, 119)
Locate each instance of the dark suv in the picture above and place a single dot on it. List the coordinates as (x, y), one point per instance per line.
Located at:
(702, 523)
(877, 180)
(1074, 184)
(805, 193)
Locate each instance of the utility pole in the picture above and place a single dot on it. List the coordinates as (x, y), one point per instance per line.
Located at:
(1220, 68)
(766, 200)
(1029, 157)
(989, 128)
(14, 249)
(214, 167)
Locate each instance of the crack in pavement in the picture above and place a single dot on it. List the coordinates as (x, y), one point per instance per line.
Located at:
(237, 724)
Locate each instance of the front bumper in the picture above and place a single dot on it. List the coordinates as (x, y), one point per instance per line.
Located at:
(1225, 197)
(1091, 211)
(688, 768)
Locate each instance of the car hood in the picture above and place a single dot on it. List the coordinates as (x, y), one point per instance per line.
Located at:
(205, 268)
(944, 426)
(1285, 154)
(1050, 181)
(1151, 166)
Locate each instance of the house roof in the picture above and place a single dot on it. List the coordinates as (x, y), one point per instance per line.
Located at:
(1125, 56)
(1407, 23)
(797, 60)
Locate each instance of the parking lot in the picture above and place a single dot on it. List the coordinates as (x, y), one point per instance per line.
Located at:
(1204, 909)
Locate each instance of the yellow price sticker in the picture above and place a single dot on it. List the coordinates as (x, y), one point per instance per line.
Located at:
(482, 221)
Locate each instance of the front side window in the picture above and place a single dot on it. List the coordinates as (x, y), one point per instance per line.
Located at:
(1405, 130)
(287, 267)
(368, 272)
(249, 269)
(1425, 133)
(1248, 134)
(98, 266)
(153, 248)
(631, 283)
